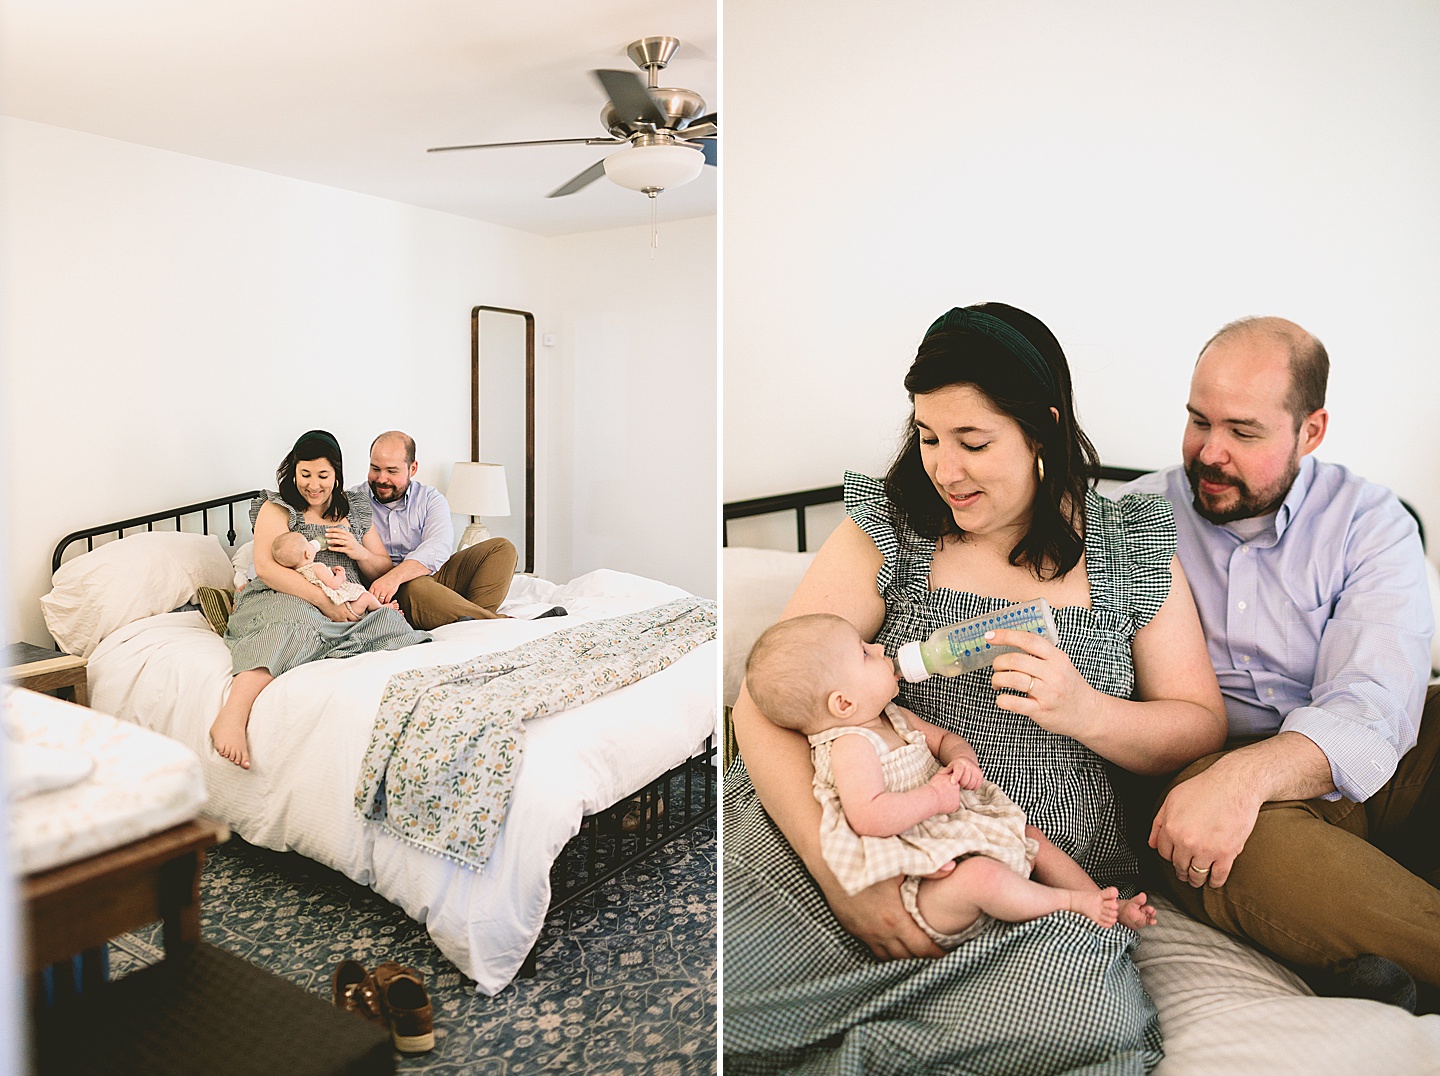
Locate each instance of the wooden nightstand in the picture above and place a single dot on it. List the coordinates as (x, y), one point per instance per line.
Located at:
(39, 669)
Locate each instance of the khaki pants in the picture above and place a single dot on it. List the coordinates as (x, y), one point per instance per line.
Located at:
(1320, 882)
(472, 583)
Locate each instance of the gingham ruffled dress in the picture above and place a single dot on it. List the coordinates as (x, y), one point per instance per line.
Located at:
(1057, 994)
(275, 631)
(986, 823)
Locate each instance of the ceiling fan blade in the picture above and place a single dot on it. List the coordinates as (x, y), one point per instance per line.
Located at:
(709, 147)
(700, 130)
(584, 179)
(712, 118)
(631, 99)
(540, 142)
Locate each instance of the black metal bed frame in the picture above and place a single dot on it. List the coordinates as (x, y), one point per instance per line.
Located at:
(200, 508)
(800, 500)
(675, 803)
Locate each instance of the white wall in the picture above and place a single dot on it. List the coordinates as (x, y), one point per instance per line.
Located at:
(157, 309)
(1135, 174)
(633, 378)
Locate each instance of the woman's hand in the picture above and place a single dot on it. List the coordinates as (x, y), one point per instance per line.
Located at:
(878, 918)
(340, 612)
(1053, 694)
(342, 539)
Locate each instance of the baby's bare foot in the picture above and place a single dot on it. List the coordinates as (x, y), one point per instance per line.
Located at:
(228, 736)
(1136, 914)
(1103, 906)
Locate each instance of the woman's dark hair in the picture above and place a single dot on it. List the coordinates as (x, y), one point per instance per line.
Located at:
(1023, 376)
(314, 445)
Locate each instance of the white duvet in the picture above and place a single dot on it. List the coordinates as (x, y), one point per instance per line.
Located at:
(310, 729)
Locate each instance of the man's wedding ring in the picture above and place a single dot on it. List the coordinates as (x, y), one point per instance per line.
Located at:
(1030, 685)
(1200, 870)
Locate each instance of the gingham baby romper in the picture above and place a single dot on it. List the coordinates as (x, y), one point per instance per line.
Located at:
(1052, 995)
(986, 823)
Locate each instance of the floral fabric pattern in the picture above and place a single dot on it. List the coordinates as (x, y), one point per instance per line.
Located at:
(442, 756)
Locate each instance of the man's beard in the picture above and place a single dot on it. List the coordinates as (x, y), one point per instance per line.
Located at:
(386, 498)
(1250, 504)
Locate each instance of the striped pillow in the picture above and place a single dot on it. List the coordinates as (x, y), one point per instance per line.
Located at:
(217, 605)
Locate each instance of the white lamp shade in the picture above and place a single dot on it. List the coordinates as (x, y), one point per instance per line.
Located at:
(478, 489)
(654, 167)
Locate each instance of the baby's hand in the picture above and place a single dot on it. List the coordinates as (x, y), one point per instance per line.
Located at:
(339, 573)
(949, 792)
(967, 773)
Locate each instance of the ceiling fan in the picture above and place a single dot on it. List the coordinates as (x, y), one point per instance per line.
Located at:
(670, 141)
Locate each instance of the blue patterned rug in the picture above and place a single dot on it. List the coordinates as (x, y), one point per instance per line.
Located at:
(625, 983)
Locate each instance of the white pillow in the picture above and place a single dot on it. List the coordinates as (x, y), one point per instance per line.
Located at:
(244, 564)
(125, 580)
(756, 585)
(1225, 1008)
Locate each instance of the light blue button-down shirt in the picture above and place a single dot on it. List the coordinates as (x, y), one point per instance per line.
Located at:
(416, 527)
(1321, 623)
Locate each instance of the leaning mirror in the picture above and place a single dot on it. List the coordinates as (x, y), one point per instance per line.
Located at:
(502, 415)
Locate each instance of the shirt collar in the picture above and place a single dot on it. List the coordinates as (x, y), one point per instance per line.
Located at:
(1290, 506)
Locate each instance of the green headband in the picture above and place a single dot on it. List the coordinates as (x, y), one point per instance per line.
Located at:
(1008, 337)
(316, 435)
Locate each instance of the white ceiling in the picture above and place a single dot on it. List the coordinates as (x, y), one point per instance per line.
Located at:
(349, 93)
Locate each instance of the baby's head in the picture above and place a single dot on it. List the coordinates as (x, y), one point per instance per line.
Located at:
(292, 550)
(815, 672)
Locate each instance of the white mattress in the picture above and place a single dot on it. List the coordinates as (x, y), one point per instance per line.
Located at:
(139, 784)
(310, 729)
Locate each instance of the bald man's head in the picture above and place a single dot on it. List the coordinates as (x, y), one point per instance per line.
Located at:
(1309, 363)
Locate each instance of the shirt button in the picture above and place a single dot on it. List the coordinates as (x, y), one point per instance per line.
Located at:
(1245, 658)
(1241, 605)
(1270, 691)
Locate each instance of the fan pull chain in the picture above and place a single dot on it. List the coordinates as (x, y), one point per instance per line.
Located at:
(654, 234)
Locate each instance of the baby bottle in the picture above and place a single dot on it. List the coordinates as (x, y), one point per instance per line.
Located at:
(959, 648)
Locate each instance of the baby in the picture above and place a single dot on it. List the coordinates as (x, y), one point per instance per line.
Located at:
(890, 808)
(293, 550)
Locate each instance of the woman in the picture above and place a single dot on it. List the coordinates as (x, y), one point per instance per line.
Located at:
(986, 505)
(281, 619)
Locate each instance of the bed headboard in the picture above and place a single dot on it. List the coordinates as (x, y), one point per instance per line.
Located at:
(191, 517)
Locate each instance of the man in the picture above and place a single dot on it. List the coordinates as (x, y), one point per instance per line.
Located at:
(413, 521)
(1313, 834)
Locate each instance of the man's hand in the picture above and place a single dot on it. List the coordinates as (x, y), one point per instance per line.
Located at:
(384, 588)
(343, 540)
(1205, 822)
(878, 918)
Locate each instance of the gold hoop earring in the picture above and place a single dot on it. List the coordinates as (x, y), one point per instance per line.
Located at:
(1040, 467)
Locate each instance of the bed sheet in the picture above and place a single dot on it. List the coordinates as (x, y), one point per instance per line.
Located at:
(139, 783)
(310, 729)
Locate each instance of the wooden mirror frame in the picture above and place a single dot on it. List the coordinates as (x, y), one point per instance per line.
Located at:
(528, 553)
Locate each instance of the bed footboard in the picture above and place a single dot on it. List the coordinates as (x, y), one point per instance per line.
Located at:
(623, 834)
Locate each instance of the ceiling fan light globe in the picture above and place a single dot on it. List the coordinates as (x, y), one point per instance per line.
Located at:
(645, 168)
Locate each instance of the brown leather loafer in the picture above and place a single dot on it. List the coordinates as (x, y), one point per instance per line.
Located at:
(407, 1008)
(353, 989)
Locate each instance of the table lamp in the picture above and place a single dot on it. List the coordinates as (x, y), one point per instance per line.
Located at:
(477, 489)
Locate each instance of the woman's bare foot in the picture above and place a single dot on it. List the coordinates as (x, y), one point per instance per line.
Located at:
(1136, 914)
(228, 736)
(1102, 905)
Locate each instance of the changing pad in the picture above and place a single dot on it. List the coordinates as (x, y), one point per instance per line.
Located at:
(141, 782)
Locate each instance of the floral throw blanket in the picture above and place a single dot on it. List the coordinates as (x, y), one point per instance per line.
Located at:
(447, 739)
